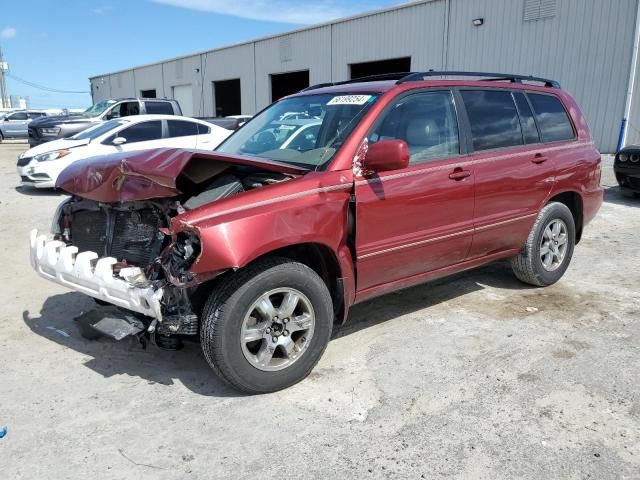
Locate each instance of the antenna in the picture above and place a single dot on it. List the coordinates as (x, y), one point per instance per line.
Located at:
(4, 96)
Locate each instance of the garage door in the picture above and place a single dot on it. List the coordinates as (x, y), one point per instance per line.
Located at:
(184, 95)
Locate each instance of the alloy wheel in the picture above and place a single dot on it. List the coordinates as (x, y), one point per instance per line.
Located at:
(553, 245)
(277, 329)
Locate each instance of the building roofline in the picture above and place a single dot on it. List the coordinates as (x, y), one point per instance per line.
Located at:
(370, 13)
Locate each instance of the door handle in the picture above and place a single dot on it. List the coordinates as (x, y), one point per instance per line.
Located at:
(459, 174)
(539, 158)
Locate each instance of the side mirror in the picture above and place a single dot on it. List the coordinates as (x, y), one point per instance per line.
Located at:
(119, 141)
(386, 155)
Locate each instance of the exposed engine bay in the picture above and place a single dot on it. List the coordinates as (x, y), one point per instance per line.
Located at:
(131, 231)
(136, 234)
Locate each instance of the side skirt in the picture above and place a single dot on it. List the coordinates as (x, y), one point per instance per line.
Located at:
(396, 285)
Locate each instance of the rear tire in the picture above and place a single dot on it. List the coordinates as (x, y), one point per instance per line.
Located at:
(246, 338)
(548, 250)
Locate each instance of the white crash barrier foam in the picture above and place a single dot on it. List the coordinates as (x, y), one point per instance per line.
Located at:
(93, 276)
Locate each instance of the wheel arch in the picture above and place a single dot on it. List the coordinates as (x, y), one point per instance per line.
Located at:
(573, 201)
(334, 268)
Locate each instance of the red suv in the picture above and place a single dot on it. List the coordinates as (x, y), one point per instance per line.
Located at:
(326, 198)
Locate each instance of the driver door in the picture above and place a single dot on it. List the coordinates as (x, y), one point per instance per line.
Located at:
(419, 219)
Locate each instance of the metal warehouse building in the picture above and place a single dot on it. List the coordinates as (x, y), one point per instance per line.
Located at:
(590, 46)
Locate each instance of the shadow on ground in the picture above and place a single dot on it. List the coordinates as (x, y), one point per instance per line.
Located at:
(616, 196)
(40, 192)
(188, 366)
(109, 357)
(397, 304)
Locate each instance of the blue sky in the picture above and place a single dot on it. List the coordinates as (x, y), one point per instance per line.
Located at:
(61, 44)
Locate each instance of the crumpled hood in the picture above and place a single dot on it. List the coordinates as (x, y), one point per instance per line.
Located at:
(148, 174)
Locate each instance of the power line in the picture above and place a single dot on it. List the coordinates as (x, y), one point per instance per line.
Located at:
(42, 87)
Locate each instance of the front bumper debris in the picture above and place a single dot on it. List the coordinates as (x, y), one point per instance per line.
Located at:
(110, 321)
(93, 276)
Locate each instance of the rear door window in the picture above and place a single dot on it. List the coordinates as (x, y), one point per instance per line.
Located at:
(552, 118)
(142, 132)
(493, 118)
(182, 128)
(527, 122)
(159, 108)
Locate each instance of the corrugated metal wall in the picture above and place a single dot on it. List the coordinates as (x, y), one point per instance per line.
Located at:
(226, 64)
(587, 45)
(304, 50)
(416, 31)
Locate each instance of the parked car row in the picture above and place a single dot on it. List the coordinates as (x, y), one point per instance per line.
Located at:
(41, 165)
(327, 198)
(47, 129)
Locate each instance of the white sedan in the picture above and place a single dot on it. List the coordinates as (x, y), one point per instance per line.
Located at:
(40, 166)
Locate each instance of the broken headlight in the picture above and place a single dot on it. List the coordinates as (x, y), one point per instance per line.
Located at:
(57, 225)
(182, 256)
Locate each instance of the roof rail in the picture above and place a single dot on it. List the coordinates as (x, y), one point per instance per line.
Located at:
(418, 76)
(368, 78)
(404, 77)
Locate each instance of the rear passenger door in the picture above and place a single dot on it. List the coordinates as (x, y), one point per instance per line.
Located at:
(514, 174)
(418, 219)
(182, 134)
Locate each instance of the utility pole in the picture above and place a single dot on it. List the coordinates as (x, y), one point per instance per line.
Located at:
(4, 95)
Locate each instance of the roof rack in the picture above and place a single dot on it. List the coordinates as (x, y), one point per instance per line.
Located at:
(417, 76)
(403, 77)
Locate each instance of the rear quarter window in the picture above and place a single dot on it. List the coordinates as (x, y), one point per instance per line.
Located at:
(553, 120)
(203, 129)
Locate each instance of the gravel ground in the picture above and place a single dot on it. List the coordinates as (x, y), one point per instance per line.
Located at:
(475, 376)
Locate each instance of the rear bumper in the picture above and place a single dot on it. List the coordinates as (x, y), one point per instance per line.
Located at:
(93, 276)
(591, 202)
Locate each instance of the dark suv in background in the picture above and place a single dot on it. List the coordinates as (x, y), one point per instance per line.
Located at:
(627, 169)
(63, 126)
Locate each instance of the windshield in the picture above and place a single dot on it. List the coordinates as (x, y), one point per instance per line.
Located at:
(304, 131)
(98, 108)
(98, 130)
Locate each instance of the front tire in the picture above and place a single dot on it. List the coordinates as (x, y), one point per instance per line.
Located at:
(268, 326)
(548, 250)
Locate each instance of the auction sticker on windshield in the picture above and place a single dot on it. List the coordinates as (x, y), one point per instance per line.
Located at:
(349, 100)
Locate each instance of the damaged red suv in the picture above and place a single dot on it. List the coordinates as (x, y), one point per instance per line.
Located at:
(327, 198)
